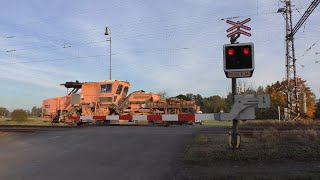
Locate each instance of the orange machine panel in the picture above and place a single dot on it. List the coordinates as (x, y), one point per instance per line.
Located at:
(109, 92)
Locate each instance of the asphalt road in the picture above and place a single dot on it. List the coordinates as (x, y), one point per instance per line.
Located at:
(96, 153)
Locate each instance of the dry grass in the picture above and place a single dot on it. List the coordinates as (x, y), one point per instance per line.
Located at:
(282, 125)
(274, 135)
(267, 141)
(276, 132)
(6, 134)
(217, 123)
(216, 149)
(30, 121)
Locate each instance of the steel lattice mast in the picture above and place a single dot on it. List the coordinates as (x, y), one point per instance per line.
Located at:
(291, 73)
(291, 78)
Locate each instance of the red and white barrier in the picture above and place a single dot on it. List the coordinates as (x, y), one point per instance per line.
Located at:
(150, 118)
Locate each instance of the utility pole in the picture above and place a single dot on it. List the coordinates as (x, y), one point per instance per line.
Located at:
(108, 33)
(291, 72)
(293, 110)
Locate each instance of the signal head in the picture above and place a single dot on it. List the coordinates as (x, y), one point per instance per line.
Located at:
(238, 57)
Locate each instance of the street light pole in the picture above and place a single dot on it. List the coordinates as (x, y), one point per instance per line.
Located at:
(108, 32)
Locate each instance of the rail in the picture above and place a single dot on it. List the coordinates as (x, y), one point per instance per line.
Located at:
(34, 128)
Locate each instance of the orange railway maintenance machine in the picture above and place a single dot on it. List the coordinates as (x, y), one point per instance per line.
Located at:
(108, 102)
(89, 101)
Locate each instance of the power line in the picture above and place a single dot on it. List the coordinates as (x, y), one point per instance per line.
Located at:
(22, 25)
(185, 32)
(125, 52)
(67, 45)
(139, 21)
(94, 29)
(58, 59)
(136, 36)
(307, 50)
(62, 47)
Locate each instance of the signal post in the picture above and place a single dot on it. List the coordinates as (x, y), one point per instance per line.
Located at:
(238, 61)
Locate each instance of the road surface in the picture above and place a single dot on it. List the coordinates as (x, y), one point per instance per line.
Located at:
(96, 153)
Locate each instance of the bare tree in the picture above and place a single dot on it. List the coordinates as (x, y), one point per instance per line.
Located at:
(163, 95)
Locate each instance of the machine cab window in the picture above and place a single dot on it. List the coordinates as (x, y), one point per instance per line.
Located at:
(105, 88)
(119, 89)
(125, 91)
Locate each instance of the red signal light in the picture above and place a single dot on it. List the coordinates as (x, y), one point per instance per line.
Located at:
(230, 51)
(246, 51)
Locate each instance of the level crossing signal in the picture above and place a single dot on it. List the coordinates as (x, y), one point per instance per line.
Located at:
(238, 60)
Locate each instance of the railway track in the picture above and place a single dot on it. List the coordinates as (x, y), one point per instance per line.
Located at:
(33, 128)
(37, 128)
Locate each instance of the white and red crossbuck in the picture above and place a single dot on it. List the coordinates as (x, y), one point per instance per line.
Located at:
(237, 27)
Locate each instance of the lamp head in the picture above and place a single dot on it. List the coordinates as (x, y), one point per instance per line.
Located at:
(106, 32)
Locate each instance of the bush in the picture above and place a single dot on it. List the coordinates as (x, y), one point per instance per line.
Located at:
(19, 115)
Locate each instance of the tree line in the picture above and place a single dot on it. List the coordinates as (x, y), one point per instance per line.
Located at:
(20, 114)
(214, 104)
(277, 91)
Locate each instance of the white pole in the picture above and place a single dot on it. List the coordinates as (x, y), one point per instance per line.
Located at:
(279, 113)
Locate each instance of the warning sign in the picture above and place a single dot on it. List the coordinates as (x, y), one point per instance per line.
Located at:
(239, 74)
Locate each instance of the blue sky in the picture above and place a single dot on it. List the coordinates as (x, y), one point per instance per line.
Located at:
(172, 46)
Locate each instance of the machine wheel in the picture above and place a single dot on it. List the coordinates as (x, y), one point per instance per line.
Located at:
(79, 123)
(106, 122)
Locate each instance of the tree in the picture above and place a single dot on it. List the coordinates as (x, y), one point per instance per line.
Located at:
(190, 96)
(19, 115)
(198, 99)
(214, 104)
(4, 111)
(35, 111)
(317, 112)
(163, 95)
(184, 97)
(278, 91)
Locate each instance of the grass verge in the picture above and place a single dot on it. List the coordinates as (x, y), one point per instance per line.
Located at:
(282, 125)
(267, 155)
(266, 140)
(217, 123)
(210, 148)
(31, 121)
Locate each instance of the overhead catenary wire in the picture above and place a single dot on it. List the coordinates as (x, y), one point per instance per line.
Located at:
(173, 27)
(57, 48)
(94, 29)
(140, 21)
(119, 53)
(124, 52)
(304, 17)
(94, 11)
(185, 32)
(307, 50)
